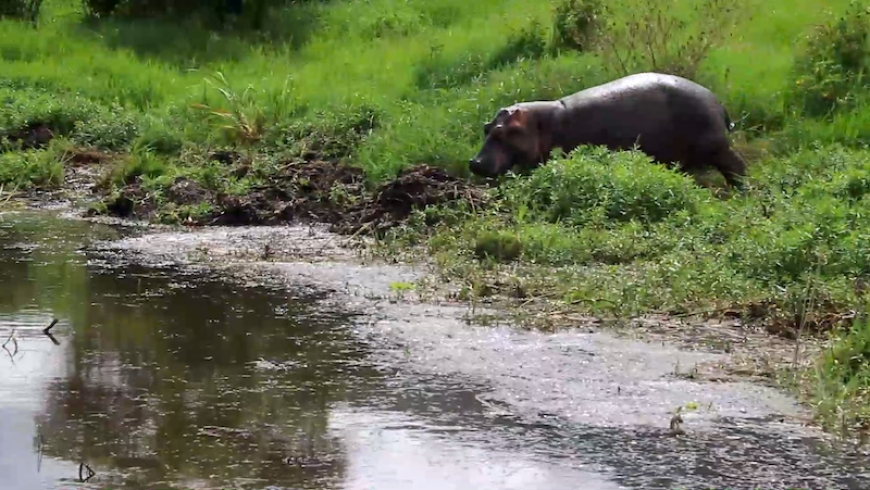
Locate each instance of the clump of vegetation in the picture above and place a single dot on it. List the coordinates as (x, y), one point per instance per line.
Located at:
(831, 70)
(647, 36)
(842, 379)
(27, 10)
(575, 24)
(500, 246)
(213, 9)
(613, 187)
(31, 169)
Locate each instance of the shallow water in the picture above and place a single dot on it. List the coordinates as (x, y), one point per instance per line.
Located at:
(162, 373)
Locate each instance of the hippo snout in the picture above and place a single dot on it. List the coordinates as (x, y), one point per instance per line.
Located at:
(477, 167)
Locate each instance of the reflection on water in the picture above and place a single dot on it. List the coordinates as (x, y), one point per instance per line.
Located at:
(170, 379)
(161, 376)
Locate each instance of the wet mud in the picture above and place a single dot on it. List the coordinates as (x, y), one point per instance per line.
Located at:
(383, 388)
(314, 191)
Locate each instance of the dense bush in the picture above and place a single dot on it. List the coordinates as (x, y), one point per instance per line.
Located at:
(831, 71)
(594, 183)
(31, 168)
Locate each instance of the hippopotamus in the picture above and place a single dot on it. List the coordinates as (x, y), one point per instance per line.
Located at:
(673, 120)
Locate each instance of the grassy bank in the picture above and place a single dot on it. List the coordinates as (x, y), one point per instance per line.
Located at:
(315, 113)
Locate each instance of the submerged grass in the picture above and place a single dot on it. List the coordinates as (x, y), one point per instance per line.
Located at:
(386, 84)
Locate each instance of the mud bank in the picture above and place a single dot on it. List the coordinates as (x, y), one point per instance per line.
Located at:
(293, 192)
(583, 396)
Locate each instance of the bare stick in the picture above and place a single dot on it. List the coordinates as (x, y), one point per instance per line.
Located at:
(53, 339)
(10, 338)
(91, 472)
(47, 329)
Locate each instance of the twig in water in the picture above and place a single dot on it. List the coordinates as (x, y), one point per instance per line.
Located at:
(14, 344)
(91, 472)
(10, 338)
(47, 329)
(53, 339)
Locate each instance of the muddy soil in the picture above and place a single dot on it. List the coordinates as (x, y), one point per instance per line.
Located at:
(313, 191)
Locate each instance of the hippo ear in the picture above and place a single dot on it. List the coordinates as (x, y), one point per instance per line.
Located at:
(517, 119)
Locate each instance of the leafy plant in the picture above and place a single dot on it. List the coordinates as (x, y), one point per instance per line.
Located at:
(575, 23)
(243, 121)
(831, 70)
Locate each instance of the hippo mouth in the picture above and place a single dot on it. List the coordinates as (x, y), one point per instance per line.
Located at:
(492, 163)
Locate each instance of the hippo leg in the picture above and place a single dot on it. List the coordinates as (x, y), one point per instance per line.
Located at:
(732, 167)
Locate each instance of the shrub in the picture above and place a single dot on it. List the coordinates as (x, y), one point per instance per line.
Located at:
(82, 120)
(529, 43)
(831, 70)
(646, 36)
(575, 23)
(32, 168)
(498, 245)
(593, 184)
(843, 373)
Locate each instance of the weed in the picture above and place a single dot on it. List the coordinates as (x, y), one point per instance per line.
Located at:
(594, 185)
(243, 123)
(31, 168)
(500, 246)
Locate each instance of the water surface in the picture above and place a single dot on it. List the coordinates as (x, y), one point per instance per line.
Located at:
(162, 374)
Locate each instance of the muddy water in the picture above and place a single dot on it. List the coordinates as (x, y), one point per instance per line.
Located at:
(271, 358)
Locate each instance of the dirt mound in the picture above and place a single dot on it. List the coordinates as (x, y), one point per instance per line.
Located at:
(414, 188)
(300, 192)
(316, 191)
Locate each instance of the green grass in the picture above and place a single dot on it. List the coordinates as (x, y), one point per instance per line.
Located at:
(384, 84)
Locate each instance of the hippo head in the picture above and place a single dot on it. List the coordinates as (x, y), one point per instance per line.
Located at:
(513, 137)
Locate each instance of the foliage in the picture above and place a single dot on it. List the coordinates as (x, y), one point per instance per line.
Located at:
(650, 37)
(147, 8)
(31, 168)
(594, 183)
(842, 378)
(831, 71)
(575, 23)
(21, 9)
